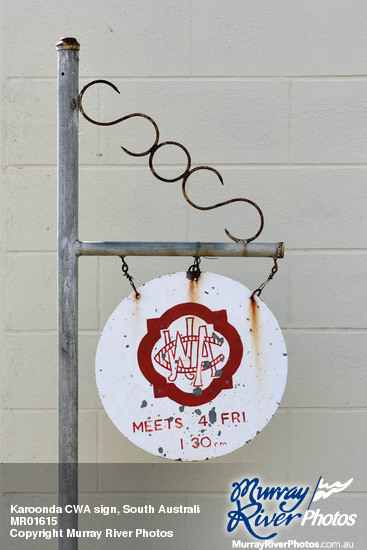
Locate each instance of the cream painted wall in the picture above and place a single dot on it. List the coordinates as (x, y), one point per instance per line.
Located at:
(274, 94)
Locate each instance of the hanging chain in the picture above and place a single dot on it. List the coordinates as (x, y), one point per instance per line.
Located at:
(125, 269)
(193, 273)
(259, 290)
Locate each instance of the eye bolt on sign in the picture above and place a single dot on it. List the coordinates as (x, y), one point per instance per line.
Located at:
(192, 369)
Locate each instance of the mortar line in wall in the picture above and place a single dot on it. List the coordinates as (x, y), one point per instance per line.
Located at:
(186, 526)
(24, 493)
(230, 165)
(341, 408)
(330, 330)
(96, 451)
(99, 291)
(20, 410)
(187, 220)
(49, 332)
(233, 78)
(234, 166)
(36, 332)
(325, 251)
(30, 166)
(289, 309)
(290, 120)
(191, 19)
(288, 468)
(199, 78)
(98, 127)
(32, 252)
(98, 447)
(47, 410)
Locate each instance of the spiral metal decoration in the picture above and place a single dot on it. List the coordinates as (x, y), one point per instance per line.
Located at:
(185, 174)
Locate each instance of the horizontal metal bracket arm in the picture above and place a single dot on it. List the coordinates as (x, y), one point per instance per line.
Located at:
(264, 250)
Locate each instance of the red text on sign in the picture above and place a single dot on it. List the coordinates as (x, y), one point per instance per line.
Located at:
(157, 425)
(205, 442)
(233, 417)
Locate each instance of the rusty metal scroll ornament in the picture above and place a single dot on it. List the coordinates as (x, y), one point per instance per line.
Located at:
(185, 174)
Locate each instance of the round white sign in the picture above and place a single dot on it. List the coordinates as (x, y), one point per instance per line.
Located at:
(192, 369)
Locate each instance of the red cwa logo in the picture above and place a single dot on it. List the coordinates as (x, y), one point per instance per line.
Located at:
(190, 354)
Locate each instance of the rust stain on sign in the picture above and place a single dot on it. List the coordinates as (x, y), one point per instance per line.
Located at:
(194, 291)
(255, 328)
(136, 313)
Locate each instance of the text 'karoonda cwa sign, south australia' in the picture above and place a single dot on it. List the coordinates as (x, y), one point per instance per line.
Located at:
(191, 369)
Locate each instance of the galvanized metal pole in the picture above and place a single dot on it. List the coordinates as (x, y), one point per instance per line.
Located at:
(68, 82)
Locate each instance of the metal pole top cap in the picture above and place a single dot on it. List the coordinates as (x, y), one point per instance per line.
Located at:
(68, 43)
